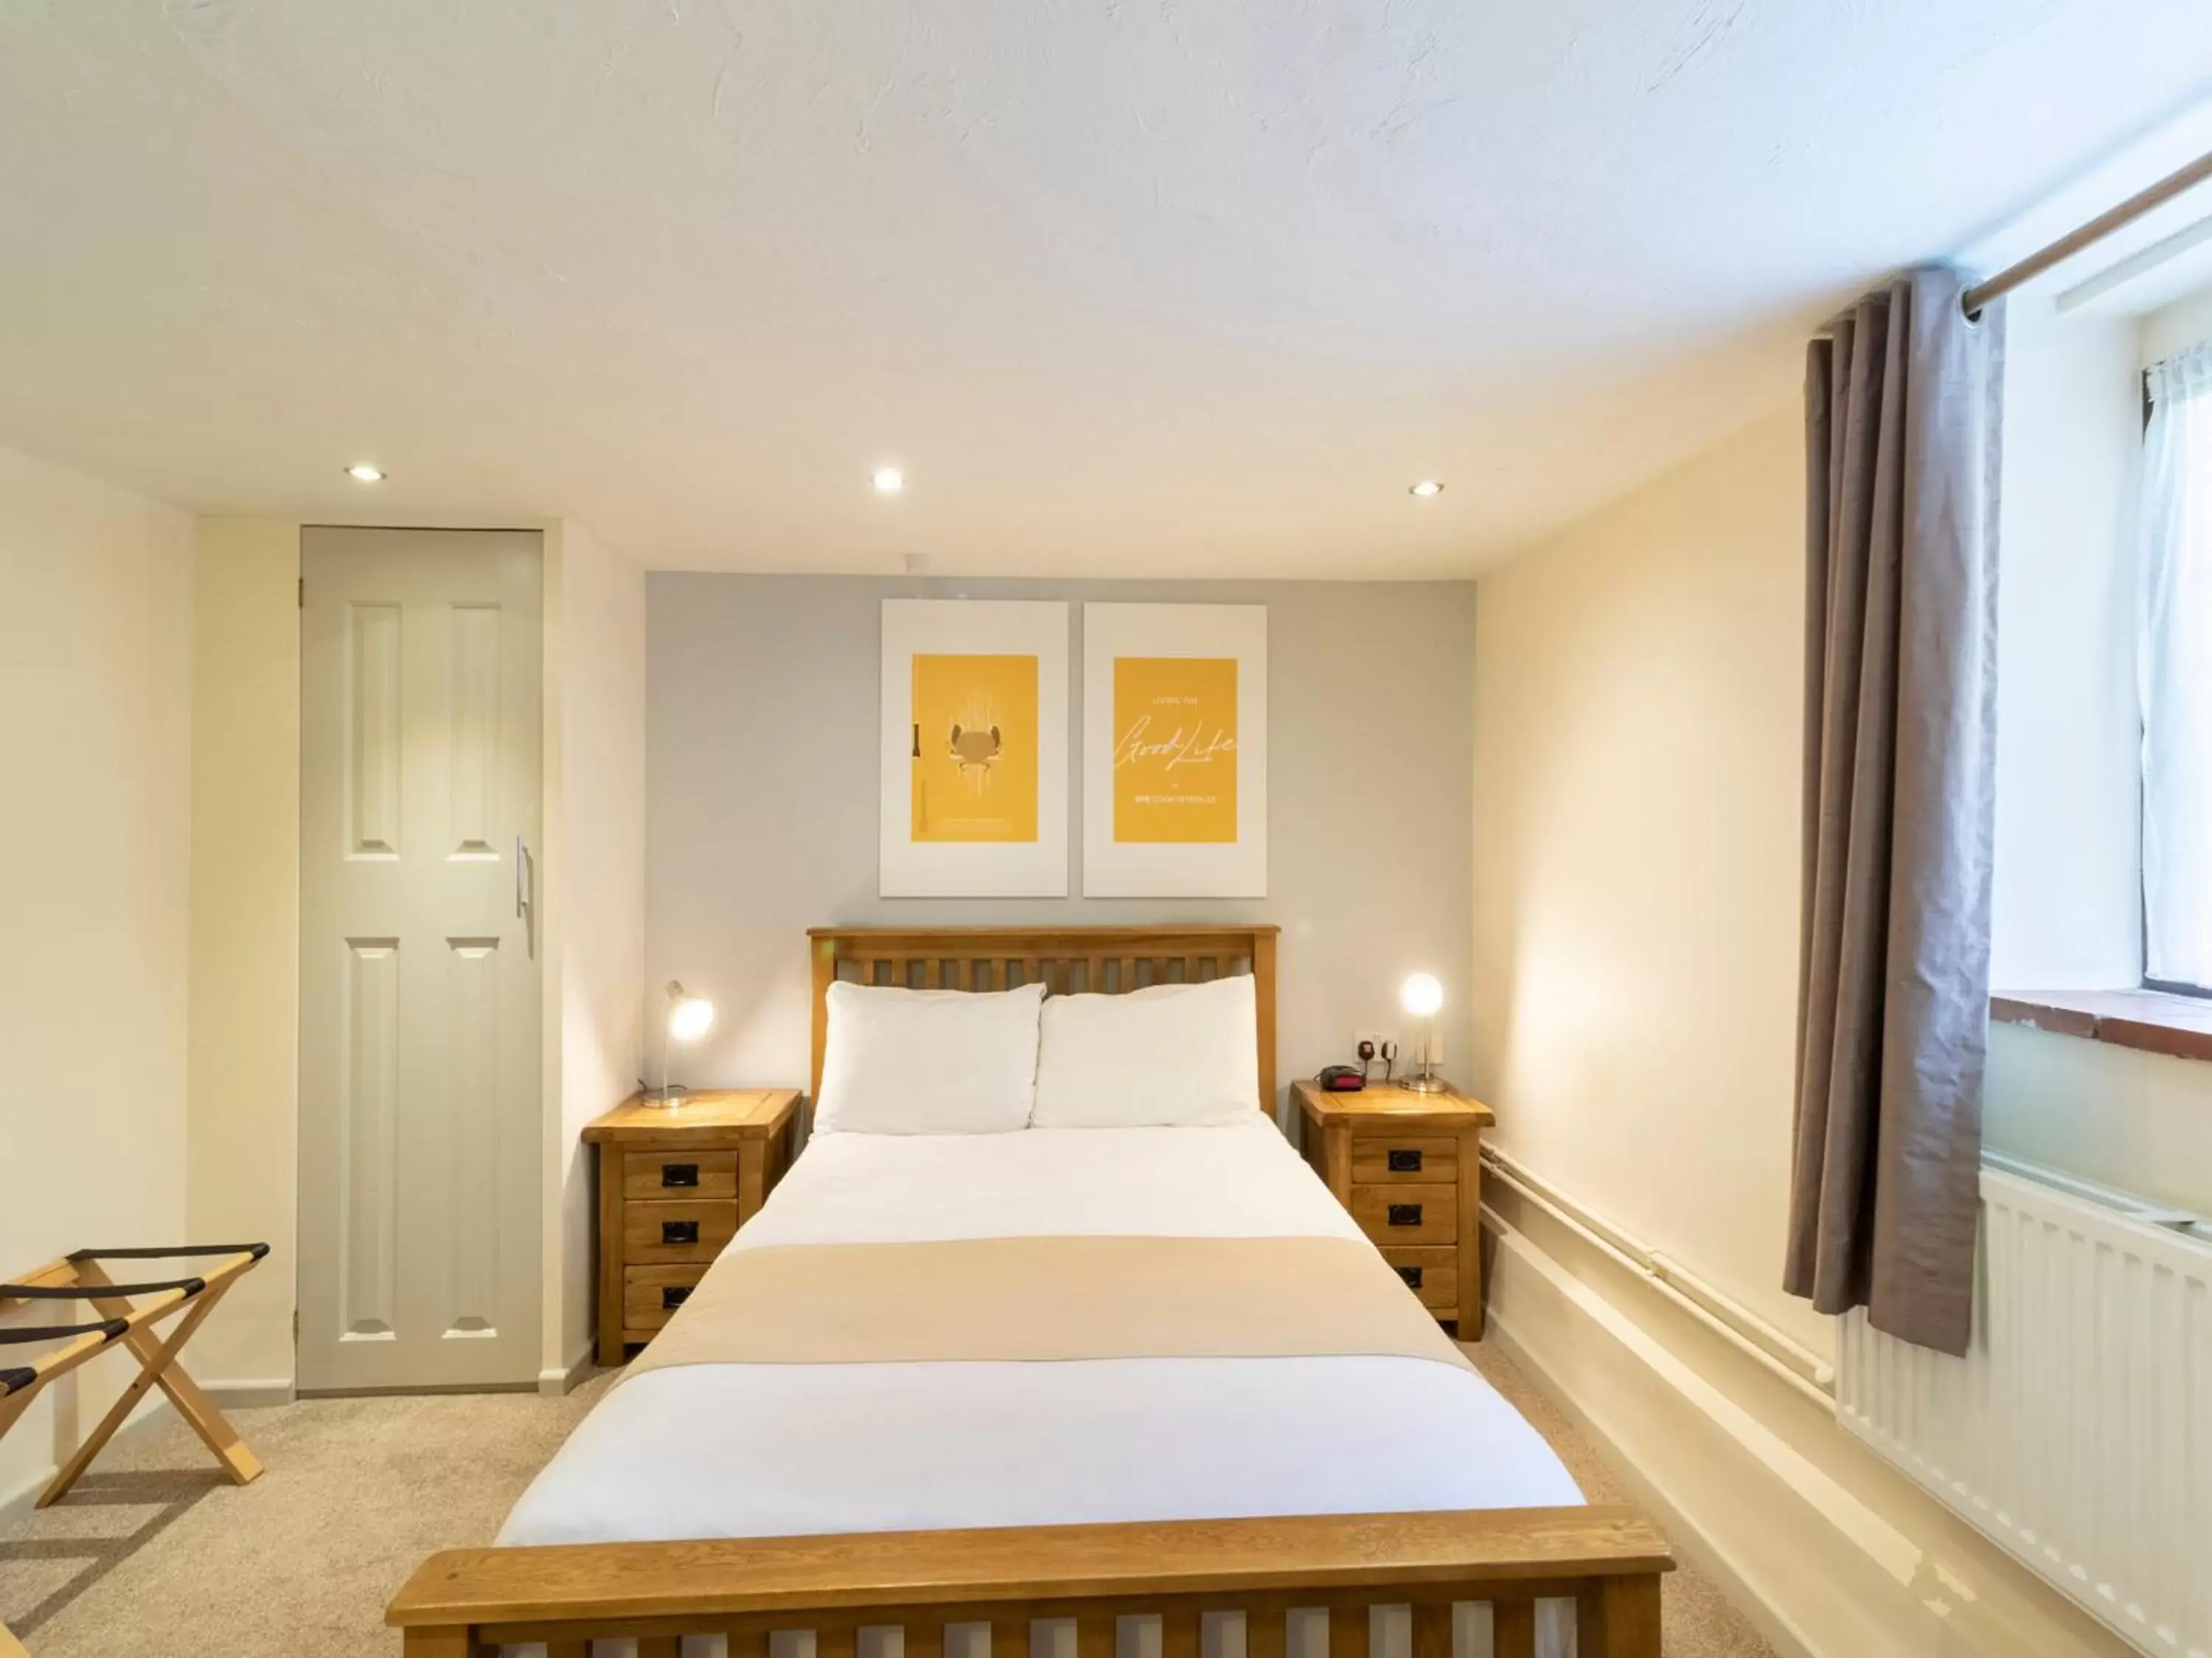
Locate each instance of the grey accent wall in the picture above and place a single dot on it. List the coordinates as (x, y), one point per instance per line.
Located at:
(762, 776)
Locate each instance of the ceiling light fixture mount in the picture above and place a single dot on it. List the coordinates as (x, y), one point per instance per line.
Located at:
(362, 473)
(888, 481)
(1428, 489)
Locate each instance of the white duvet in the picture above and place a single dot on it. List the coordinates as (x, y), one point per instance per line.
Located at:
(754, 1450)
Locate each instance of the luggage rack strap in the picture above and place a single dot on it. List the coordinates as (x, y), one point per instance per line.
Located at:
(142, 1254)
(72, 1292)
(17, 1335)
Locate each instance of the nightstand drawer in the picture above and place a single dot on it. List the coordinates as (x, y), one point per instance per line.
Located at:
(1431, 1273)
(1433, 1157)
(693, 1230)
(1410, 1213)
(651, 1295)
(679, 1172)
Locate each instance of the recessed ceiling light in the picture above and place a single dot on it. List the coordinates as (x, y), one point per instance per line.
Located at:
(888, 480)
(362, 473)
(1426, 488)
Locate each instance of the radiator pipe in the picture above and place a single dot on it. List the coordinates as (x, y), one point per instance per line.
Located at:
(1803, 1370)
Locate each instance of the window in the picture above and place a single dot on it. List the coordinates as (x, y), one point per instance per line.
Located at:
(2176, 673)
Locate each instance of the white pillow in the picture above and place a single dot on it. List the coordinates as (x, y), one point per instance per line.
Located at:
(1174, 1055)
(928, 1061)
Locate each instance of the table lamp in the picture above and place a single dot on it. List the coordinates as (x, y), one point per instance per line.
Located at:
(690, 1018)
(1421, 995)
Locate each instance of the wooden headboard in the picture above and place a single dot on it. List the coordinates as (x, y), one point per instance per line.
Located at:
(1068, 960)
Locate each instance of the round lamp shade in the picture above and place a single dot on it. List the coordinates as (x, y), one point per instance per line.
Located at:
(1421, 995)
(690, 1019)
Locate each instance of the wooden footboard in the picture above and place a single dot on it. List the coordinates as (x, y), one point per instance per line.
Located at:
(468, 1602)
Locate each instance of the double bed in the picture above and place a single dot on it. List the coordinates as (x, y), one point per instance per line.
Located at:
(1135, 1416)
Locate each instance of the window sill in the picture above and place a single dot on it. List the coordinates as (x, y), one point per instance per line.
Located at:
(2152, 1020)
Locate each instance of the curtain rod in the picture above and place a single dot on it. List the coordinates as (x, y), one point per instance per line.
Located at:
(2096, 230)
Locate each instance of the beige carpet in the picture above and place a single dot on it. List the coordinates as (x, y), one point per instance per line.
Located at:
(1696, 1619)
(151, 1557)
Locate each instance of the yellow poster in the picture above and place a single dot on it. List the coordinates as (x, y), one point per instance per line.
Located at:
(974, 748)
(1174, 749)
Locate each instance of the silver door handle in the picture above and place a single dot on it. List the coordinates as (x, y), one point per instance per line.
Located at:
(525, 894)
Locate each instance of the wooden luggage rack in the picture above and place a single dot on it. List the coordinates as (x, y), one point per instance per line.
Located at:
(123, 1322)
(79, 1276)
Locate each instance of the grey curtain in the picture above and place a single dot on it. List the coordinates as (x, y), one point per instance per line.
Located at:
(1901, 405)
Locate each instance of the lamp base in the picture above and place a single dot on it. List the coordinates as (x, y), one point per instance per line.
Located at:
(668, 1097)
(1425, 1085)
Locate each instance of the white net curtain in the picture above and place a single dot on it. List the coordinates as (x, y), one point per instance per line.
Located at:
(2176, 668)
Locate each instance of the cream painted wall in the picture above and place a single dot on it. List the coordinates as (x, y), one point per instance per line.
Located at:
(1636, 737)
(2139, 1121)
(1637, 743)
(95, 685)
(1636, 848)
(595, 789)
(2185, 322)
(242, 1146)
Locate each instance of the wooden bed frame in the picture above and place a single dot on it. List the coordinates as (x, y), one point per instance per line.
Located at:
(1608, 1561)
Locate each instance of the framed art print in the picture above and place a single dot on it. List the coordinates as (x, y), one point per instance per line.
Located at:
(1174, 750)
(974, 800)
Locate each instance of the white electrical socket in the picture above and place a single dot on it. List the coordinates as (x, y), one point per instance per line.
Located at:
(1378, 1038)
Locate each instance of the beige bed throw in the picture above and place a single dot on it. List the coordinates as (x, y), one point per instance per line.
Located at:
(1043, 1299)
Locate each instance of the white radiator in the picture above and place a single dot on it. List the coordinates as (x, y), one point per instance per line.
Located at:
(2078, 1431)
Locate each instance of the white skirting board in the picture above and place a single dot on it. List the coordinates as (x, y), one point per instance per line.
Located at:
(1827, 1549)
(559, 1384)
(249, 1393)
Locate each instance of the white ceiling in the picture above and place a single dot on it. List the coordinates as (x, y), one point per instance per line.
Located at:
(1143, 286)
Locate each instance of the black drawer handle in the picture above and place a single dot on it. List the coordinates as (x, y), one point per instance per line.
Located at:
(685, 1175)
(1405, 1162)
(679, 1232)
(1411, 1275)
(673, 1296)
(1405, 1213)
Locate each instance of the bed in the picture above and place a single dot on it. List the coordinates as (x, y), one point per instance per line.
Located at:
(732, 1500)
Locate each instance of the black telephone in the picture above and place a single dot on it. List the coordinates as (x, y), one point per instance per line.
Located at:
(1343, 1079)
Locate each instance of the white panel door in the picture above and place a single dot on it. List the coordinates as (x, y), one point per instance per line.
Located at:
(419, 1110)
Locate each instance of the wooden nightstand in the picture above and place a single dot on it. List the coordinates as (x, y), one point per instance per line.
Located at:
(674, 1186)
(1409, 1168)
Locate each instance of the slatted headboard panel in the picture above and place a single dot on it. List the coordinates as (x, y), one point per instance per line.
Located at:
(1068, 960)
